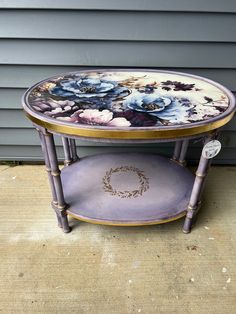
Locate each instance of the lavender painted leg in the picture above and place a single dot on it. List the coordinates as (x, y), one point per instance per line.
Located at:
(183, 152)
(194, 203)
(73, 149)
(177, 150)
(55, 172)
(67, 152)
(50, 178)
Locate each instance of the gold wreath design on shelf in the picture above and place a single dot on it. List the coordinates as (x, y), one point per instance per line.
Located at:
(143, 180)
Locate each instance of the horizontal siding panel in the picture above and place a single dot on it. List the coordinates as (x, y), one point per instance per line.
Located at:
(29, 153)
(117, 53)
(30, 137)
(93, 25)
(10, 98)
(16, 118)
(31, 74)
(231, 125)
(136, 5)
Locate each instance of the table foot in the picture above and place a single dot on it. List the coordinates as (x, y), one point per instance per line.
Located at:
(187, 225)
(59, 220)
(67, 230)
(64, 221)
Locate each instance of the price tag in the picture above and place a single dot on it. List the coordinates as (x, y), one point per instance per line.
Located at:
(211, 149)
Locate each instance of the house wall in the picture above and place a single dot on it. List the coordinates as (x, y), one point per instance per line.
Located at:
(39, 39)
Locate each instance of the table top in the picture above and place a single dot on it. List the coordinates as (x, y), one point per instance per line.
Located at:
(129, 104)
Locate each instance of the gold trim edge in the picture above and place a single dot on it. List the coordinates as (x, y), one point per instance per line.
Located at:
(128, 224)
(130, 134)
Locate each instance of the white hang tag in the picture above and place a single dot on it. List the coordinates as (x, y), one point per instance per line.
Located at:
(211, 149)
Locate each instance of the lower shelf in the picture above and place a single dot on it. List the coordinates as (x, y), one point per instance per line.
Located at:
(127, 189)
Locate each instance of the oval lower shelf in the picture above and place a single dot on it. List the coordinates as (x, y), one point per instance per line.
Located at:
(127, 189)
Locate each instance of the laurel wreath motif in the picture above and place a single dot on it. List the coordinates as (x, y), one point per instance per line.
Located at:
(143, 180)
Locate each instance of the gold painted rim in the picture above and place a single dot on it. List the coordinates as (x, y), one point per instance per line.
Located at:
(128, 224)
(130, 134)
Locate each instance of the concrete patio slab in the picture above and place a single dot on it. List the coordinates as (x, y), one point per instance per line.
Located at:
(104, 270)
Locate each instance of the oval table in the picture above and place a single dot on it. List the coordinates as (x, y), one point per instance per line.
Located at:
(127, 106)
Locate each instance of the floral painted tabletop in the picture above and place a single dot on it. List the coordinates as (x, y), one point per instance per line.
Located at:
(129, 99)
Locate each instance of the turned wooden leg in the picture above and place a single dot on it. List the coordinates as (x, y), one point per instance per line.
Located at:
(50, 178)
(67, 153)
(61, 205)
(195, 198)
(177, 150)
(73, 149)
(183, 152)
(180, 151)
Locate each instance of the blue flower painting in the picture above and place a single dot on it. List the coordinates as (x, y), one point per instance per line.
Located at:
(128, 99)
(88, 87)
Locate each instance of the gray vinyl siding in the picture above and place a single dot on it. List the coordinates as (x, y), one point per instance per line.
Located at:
(125, 5)
(115, 26)
(39, 39)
